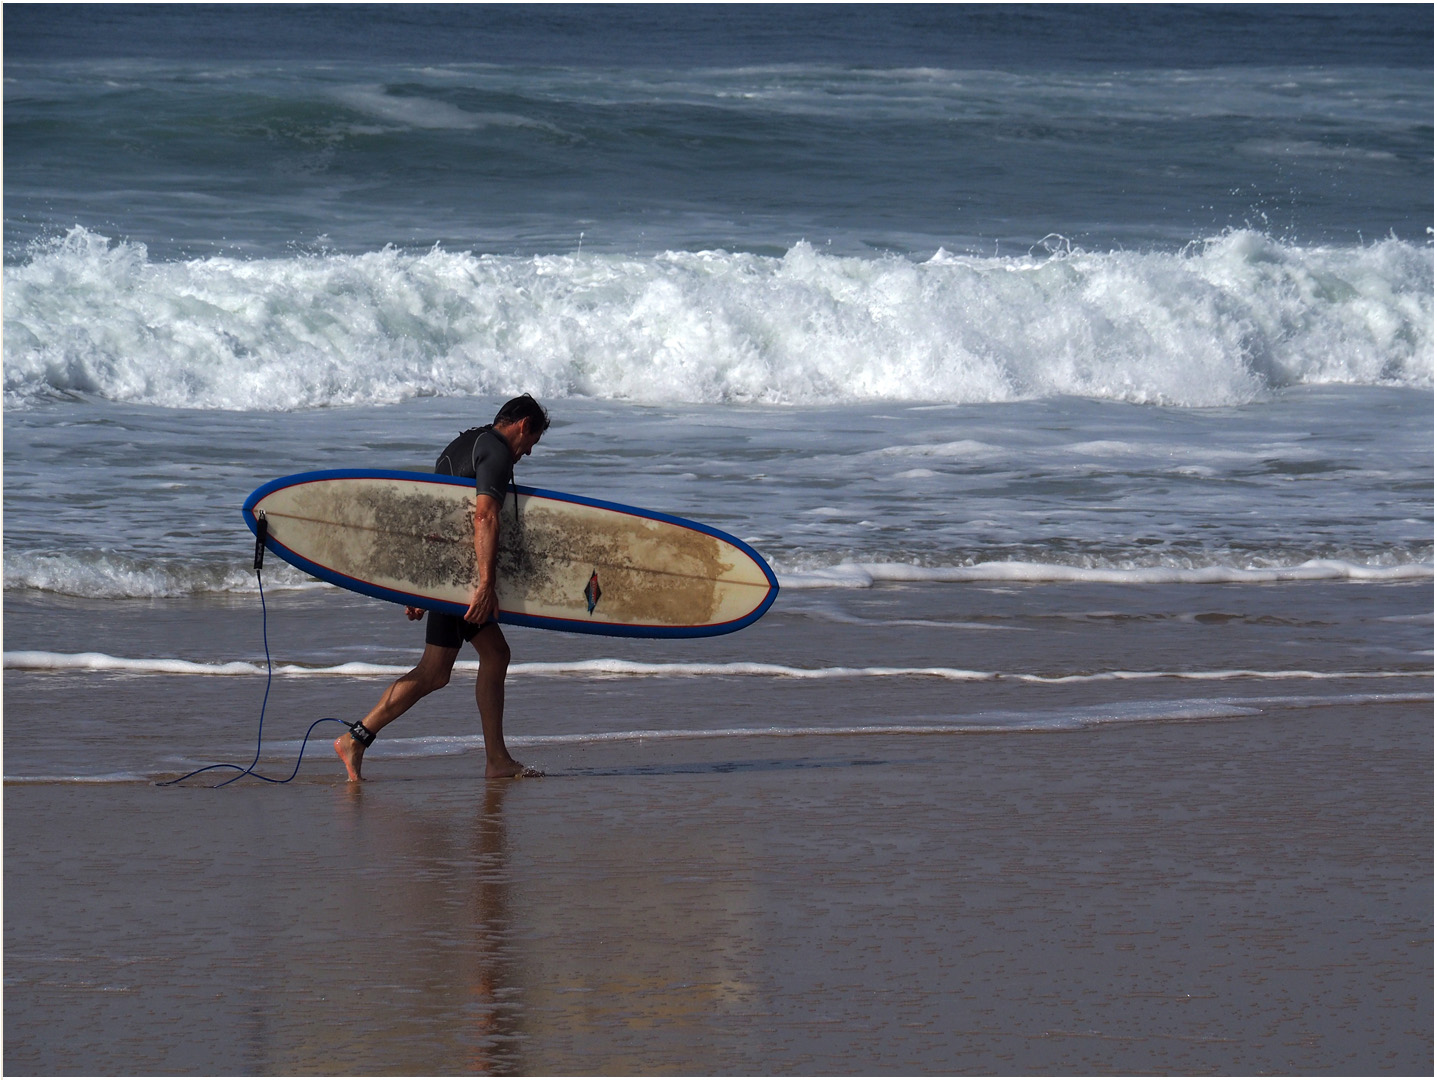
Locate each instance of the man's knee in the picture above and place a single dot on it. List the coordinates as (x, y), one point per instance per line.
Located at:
(493, 649)
(433, 670)
(431, 680)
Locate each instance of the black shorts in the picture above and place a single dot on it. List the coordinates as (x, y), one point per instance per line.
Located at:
(449, 631)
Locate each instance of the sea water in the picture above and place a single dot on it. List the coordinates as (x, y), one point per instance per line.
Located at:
(935, 296)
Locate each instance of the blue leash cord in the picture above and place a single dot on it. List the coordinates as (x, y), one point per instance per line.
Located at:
(259, 742)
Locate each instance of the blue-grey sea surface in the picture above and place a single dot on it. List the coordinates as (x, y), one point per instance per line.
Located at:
(932, 294)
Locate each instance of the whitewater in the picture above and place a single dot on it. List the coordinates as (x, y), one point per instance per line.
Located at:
(1222, 322)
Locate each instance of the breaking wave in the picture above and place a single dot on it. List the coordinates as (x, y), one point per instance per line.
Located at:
(108, 576)
(1222, 322)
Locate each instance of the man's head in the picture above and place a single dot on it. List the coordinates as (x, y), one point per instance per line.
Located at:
(521, 421)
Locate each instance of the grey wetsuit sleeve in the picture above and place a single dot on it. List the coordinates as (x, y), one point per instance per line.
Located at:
(492, 467)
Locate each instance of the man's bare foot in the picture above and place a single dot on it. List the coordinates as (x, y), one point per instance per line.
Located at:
(352, 754)
(501, 770)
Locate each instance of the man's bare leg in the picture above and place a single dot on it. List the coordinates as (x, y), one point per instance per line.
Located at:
(489, 694)
(429, 675)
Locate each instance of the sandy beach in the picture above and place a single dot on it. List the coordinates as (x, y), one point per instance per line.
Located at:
(1240, 888)
(1071, 368)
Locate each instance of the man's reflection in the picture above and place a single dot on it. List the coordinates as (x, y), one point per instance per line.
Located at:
(495, 998)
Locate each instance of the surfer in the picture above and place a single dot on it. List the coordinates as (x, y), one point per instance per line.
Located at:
(487, 454)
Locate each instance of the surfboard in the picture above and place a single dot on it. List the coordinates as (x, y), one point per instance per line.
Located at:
(565, 562)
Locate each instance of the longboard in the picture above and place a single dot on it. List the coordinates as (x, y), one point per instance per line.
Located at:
(565, 562)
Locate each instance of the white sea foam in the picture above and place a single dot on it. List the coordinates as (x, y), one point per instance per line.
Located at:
(1220, 323)
(1038, 721)
(415, 111)
(864, 575)
(604, 668)
(80, 778)
(110, 576)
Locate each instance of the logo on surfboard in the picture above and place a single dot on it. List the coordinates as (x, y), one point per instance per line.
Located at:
(592, 592)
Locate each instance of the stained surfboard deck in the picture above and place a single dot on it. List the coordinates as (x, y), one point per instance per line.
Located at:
(565, 562)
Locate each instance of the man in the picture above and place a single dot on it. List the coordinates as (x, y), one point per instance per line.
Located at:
(488, 454)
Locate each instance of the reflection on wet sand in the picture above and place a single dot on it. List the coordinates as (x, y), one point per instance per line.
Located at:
(497, 1004)
(421, 959)
(642, 952)
(531, 934)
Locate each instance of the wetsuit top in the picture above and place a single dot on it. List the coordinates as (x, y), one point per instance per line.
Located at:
(483, 454)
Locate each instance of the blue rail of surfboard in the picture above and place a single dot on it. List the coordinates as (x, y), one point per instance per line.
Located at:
(542, 622)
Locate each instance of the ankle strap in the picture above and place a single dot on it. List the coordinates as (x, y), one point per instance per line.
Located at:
(360, 734)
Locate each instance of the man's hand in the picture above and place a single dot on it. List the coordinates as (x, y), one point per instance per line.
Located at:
(414, 613)
(483, 606)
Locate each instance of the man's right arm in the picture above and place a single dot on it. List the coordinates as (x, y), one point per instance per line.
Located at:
(484, 604)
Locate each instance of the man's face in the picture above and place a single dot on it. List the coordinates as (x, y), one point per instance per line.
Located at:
(525, 439)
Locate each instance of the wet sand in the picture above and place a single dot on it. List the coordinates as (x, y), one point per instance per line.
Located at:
(1194, 898)
(1235, 895)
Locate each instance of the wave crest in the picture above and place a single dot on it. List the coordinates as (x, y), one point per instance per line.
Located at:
(1219, 323)
(109, 576)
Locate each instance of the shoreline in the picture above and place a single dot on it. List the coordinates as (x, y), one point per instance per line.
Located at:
(1170, 875)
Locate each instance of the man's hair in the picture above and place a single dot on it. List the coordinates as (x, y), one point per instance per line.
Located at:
(520, 408)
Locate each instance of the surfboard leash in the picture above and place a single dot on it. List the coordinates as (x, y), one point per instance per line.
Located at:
(261, 534)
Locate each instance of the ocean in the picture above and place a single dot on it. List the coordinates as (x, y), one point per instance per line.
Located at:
(1072, 366)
